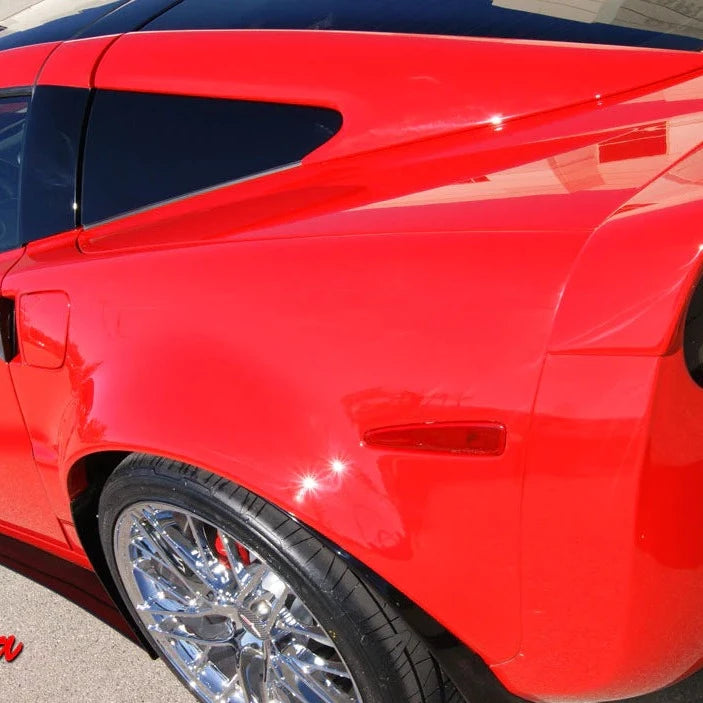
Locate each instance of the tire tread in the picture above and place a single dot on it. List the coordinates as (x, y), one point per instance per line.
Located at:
(375, 620)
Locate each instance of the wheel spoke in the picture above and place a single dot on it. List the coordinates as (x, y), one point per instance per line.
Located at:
(251, 685)
(306, 632)
(198, 665)
(159, 554)
(179, 551)
(163, 585)
(297, 679)
(189, 636)
(234, 560)
(229, 689)
(197, 611)
(276, 607)
(279, 677)
(200, 541)
(319, 664)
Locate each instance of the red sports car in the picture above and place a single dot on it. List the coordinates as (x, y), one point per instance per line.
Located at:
(357, 346)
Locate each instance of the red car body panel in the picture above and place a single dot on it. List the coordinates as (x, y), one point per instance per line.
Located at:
(397, 89)
(27, 505)
(20, 66)
(466, 249)
(73, 63)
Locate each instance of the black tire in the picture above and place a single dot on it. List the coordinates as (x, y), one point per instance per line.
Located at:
(388, 662)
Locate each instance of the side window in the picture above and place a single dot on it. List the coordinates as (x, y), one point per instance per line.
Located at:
(50, 162)
(13, 114)
(143, 149)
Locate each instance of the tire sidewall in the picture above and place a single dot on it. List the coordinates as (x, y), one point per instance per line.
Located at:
(373, 672)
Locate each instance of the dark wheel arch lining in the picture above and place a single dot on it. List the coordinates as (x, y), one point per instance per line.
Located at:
(466, 669)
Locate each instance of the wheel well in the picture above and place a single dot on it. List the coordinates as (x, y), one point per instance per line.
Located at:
(467, 670)
(85, 484)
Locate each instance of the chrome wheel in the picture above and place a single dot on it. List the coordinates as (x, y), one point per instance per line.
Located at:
(226, 621)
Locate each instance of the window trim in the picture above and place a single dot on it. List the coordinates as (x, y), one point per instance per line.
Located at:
(190, 194)
(25, 91)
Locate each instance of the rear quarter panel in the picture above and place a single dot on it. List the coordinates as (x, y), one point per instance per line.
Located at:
(265, 361)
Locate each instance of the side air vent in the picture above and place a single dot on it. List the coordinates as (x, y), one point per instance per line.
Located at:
(8, 329)
(693, 335)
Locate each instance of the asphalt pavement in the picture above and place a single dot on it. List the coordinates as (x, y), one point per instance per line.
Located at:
(69, 656)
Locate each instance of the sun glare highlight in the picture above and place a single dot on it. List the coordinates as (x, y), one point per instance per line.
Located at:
(337, 466)
(307, 484)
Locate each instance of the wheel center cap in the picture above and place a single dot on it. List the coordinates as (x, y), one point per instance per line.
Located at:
(253, 624)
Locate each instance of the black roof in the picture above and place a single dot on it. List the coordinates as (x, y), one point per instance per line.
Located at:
(650, 23)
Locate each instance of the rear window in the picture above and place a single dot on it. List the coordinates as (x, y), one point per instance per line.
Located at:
(143, 149)
(672, 24)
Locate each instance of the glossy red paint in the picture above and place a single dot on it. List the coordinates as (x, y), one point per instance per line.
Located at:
(20, 66)
(42, 328)
(26, 506)
(397, 89)
(641, 313)
(634, 457)
(73, 63)
(438, 268)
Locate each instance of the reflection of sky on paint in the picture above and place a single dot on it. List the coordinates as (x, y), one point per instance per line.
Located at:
(614, 164)
(683, 183)
(49, 20)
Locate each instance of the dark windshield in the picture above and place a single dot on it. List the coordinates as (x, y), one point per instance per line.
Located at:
(673, 24)
(49, 20)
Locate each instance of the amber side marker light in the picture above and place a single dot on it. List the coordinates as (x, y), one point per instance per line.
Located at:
(472, 438)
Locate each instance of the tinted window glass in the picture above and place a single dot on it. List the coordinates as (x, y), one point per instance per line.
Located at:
(655, 23)
(143, 149)
(49, 173)
(13, 113)
(49, 20)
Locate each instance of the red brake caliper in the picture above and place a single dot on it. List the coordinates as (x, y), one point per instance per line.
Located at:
(242, 552)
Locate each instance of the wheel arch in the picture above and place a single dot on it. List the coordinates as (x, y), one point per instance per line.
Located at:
(86, 478)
